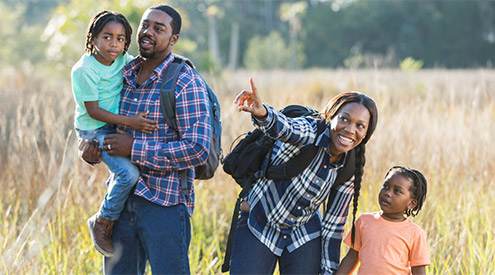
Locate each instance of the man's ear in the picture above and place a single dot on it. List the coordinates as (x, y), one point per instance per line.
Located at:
(174, 39)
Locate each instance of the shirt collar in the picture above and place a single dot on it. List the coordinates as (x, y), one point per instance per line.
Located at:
(324, 141)
(131, 70)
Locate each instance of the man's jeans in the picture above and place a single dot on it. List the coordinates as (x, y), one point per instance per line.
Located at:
(148, 231)
(250, 256)
(123, 178)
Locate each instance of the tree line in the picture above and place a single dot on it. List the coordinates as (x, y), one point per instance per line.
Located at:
(256, 34)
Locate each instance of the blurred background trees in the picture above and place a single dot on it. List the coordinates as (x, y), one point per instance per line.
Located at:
(234, 34)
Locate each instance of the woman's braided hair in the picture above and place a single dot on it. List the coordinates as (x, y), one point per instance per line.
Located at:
(99, 21)
(331, 110)
(418, 188)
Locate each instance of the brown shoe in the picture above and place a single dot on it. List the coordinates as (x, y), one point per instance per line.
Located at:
(101, 233)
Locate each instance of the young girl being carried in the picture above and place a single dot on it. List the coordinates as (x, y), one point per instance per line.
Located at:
(386, 242)
(97, 83)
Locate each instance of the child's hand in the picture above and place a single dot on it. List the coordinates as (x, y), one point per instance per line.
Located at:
(90, 151)
(140, 123)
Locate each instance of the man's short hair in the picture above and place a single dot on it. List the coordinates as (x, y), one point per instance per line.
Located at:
(176, 19)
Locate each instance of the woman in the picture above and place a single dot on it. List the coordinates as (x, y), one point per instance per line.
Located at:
(280, 220)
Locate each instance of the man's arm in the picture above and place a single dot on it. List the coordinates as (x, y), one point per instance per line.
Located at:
(349, 262)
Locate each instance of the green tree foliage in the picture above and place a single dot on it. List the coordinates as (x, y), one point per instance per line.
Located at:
(327, 33)
(441, 33)
(20, 41)
(411, 65)
(270, 52)
(67, 29)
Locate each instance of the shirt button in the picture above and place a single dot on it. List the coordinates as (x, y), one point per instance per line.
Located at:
(324, 166)
(299, 208)
(285, 236)
(135, 99)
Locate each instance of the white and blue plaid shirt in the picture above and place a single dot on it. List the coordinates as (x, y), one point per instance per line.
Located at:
(285, 214)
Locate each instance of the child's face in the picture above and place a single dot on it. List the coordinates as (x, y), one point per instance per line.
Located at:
(109, 43)
(395, 197)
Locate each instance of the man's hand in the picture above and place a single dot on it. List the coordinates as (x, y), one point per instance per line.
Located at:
(89, 151)
(119, 144)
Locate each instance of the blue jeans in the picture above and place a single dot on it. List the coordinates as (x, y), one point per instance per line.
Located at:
(250, 256)
(148, 231)
(124, 174)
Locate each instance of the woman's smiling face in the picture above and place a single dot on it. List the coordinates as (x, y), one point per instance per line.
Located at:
(348, 128)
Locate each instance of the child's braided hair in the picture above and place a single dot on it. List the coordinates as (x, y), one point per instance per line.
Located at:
(99, 21)
(418, 188)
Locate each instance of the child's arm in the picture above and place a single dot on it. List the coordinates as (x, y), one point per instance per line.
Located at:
(349, 262)
(418, 270)
(137, 122)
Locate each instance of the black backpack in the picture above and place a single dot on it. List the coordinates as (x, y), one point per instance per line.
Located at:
(167, 102)
(249, 160)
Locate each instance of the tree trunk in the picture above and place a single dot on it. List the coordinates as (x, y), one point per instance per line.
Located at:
(234, 46)
(213, 46)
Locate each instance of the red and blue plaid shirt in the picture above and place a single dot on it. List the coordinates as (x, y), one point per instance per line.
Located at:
(163, 153)
(285, 213)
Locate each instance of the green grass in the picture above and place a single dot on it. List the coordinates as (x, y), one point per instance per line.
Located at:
(440, 122)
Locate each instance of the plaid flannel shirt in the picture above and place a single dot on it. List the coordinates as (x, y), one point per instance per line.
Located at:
(161, 154)
(285, 214)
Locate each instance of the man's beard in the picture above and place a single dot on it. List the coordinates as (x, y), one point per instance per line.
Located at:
(152, 53)
(147, 55)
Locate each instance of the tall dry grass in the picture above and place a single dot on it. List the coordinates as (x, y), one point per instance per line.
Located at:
(440, 122)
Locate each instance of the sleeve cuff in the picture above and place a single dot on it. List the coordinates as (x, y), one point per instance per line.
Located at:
(266, 121)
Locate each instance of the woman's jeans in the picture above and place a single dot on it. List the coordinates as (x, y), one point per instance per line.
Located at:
(124, 174)
(250, 256)
(148, 231)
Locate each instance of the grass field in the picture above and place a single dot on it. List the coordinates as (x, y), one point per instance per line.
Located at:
(440, 122)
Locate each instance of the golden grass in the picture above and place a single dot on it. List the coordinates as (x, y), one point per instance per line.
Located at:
(440, 122)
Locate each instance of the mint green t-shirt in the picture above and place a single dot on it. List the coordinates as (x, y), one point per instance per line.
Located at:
(93, 81)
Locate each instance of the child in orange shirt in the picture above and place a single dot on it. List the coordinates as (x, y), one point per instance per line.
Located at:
(386, 242)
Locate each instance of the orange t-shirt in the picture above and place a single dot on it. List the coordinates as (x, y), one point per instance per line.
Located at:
(387, 247)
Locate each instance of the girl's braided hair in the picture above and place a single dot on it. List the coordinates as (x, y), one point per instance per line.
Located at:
(331, 110)
(99, 21)
(418, 188)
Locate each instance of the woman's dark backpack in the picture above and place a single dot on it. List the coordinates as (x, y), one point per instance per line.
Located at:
(245, 164)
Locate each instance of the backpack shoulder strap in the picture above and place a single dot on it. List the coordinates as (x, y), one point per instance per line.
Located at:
(167, 92)
(167, 103)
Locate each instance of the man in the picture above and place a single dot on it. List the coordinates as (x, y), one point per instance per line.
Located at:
(155, 224)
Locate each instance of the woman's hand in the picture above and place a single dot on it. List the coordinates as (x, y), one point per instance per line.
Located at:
(249, 101)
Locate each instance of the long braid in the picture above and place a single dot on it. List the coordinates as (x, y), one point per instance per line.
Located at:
(358, 176)
(331, 110)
